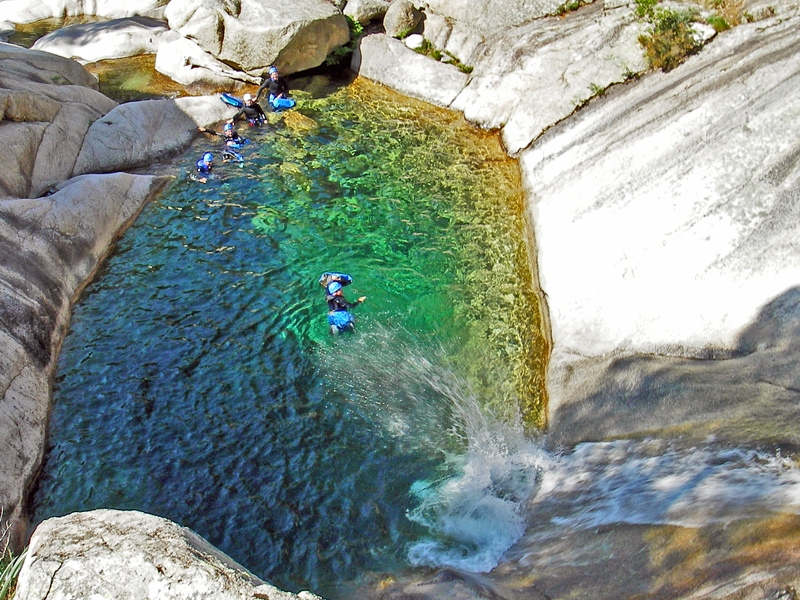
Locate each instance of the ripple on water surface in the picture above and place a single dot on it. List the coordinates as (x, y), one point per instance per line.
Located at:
(199, 381)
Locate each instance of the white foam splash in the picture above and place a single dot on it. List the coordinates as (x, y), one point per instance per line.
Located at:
(475, 510)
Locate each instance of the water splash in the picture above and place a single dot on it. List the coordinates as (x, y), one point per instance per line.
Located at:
(473, 510)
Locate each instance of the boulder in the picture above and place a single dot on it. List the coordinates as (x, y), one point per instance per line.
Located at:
(437, 29)
(128, 555)
(251, 35)
(28, 11)
(555, 65)
(51, 248)
(365, 11)
(401, 19)
(118, 38)
(388, 61)
(47, 104)
(182, 60)
(21, 67)
(136, 133)
(666, 219)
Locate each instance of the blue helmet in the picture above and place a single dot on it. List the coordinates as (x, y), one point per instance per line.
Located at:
(334, 286)
(227, 127)
(208, 157)
(272, 69)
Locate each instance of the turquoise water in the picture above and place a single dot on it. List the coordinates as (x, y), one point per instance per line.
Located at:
(199, 381)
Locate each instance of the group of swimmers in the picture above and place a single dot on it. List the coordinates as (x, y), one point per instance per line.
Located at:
(339, 317)
(251, 110)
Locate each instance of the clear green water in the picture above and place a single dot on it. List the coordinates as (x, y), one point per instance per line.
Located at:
(199, 381)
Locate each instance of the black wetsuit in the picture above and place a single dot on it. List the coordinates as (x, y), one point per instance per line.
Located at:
(339, 303)
(276, 87)
(252, 112)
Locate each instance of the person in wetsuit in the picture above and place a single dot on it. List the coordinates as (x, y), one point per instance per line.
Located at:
(339, 317)
(204, 166)
(278, 90)
(251, 110)
(233, 141)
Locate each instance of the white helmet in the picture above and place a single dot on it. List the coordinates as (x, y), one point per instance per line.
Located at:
(247, 97)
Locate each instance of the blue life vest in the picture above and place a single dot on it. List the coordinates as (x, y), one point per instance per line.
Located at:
(341, 319)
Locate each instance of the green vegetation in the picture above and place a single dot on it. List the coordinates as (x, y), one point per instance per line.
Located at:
(670, 37)
(570, 6)
(428, 49)
(338, 55)
(718, 23)
(727, 13)
(597, 90)
(10, 565)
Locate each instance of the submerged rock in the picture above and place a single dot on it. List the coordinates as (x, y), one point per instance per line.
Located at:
(128, 555)
(523, 78)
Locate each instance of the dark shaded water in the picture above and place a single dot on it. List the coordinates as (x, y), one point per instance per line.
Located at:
(199, 381)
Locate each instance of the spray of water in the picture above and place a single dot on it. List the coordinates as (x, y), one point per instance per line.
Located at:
(473, 509)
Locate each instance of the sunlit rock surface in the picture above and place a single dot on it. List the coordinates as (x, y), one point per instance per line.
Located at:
(493, 16)
(533, 76)
(51, 248)
(385, 59)
(524, 77)
(28, 11)
(118, 38)
(128, 555)
(136, 133)
(364, 11)
(47, 104)
(252, 35)
(182, 60)
(666, 218)
(401, 18)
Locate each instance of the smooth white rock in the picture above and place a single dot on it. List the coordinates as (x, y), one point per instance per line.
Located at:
(129, 555)
(118, 38)
(388, 61)
(251, 35)
(414, 41)
(136, 133)
(28, 11)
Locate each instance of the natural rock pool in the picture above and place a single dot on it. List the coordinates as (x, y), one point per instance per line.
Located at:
(199, 381)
